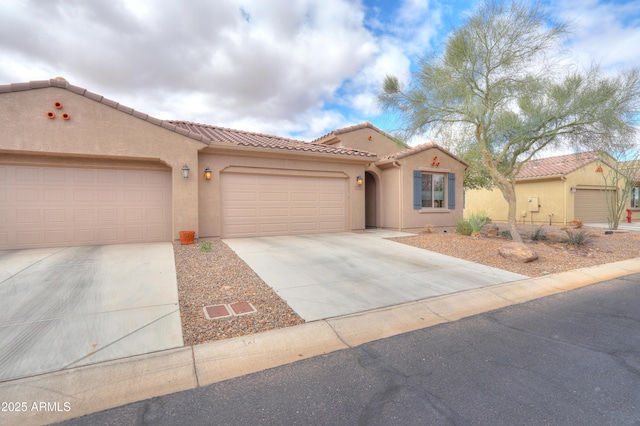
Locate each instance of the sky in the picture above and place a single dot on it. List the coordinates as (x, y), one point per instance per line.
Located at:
(292, 68)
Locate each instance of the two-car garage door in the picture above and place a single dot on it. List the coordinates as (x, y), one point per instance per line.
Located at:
(261, 205)
(64, 206)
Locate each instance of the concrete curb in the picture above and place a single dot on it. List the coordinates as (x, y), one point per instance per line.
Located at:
(68, 394)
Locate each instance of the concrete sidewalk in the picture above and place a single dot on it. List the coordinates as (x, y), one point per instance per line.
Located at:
(75, 392)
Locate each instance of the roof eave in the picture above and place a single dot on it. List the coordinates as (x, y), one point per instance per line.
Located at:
(233, 149)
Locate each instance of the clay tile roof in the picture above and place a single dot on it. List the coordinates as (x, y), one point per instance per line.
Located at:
(558, 165)
(260, 140)
(365, 125)
(419, 148)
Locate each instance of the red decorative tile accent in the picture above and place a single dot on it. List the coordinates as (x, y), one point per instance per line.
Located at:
(216, 311)
(242, 308)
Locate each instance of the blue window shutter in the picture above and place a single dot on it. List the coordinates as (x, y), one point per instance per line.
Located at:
(417, 189)
(452, 191)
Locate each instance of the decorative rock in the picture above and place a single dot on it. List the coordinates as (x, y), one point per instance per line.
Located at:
(518, 252)
(490, 230)
(556, 237)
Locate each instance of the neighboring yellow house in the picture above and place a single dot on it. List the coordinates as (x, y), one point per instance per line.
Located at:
(552, 190)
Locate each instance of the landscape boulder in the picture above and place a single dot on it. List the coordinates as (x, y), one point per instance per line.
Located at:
(490, 230)
(557, 236)
(518, 252)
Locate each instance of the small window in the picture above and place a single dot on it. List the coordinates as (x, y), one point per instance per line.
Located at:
(433, 190)
(635, 198)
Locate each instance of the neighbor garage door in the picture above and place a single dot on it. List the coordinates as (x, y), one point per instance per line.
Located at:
(591, 206)
(260, 205)
(56, 206)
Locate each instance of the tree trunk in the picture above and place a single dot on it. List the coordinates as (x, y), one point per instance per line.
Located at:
(506, 186)
(510, 195)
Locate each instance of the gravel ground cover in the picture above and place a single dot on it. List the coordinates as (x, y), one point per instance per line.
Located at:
(221, 277)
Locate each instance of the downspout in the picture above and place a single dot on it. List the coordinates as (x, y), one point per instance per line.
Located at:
(401, 209)
(564, 179)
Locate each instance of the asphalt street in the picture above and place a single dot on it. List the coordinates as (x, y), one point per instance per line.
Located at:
(567, 359)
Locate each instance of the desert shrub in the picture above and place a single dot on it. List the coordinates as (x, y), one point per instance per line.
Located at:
(477, 221)
(428, 229)
(538, 234)
(464, 227)
(205, 246)
(506, 234)
(576, 238)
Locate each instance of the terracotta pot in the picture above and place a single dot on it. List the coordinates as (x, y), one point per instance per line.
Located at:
(187, 237)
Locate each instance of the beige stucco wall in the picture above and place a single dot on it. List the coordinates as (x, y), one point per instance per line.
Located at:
(390, 200)
(554, 195)
(275, 160)
(379, 143)
(97, 134)
(417, 219)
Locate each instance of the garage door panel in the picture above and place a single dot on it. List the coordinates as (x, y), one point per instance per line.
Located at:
(328, 226)
(28, 216)
(272, 196)
(53, 175)
(305, 227)
(107, 215)
(54, 216)
(274, 228)
(273, 212)
(108, 234)
(283, 205)
(55, 236)
(304, 196)
(304, 212)
(591, 206)
(28, 195)
(49, 207)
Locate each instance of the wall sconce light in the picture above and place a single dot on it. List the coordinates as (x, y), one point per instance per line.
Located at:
(359, 180)
(207, 173)
(573, 189)
(185, 171)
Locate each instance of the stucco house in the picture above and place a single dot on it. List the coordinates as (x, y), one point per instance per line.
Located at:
(408, 187)
(79, 169)
(553, 190)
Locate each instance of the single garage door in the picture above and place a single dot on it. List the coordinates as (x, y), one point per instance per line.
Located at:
(261, 205)
(57, 206)
(591, 206)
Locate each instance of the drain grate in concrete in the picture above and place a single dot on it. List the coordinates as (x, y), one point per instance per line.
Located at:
(216, 311)
(224, 311)
(242, 308)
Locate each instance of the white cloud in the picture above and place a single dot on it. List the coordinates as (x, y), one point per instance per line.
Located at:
(284, 67)
(605, 33)
(223, 62)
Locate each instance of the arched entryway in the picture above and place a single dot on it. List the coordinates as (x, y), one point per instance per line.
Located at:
(370, 200)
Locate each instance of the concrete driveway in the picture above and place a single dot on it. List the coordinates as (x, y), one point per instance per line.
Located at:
(72, 306)
(327, 275)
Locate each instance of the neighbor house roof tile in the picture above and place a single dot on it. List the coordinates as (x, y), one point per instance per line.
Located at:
(199, 132)
(557, 165)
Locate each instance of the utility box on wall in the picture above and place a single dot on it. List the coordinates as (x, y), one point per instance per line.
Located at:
(534, 204)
